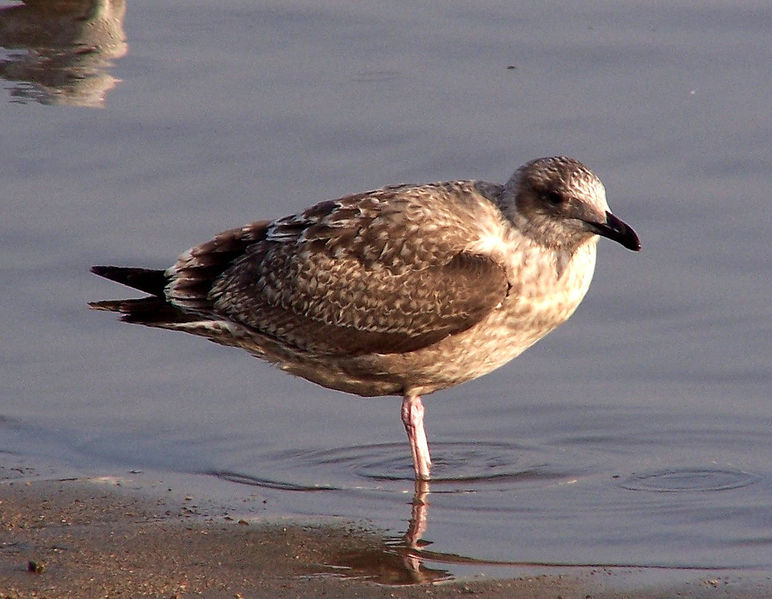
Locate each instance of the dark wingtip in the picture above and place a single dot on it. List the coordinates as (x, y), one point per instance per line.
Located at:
(114, 273)
(145, 279)
(106, 305)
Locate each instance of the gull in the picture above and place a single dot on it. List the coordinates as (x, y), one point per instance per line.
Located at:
(403, 290)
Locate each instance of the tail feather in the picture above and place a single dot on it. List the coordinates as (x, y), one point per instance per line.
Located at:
(150, 311)
(179, 297)
(145, 279)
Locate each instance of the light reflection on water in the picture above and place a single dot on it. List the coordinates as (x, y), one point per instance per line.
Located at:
(62, 50)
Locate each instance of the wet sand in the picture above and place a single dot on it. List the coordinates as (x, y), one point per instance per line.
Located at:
(98, 538)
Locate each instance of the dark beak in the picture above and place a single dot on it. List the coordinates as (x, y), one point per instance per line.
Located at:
(619, 231)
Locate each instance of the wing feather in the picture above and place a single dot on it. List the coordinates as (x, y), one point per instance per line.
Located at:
(381, 272)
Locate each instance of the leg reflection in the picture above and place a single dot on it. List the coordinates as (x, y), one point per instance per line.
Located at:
(417, 527)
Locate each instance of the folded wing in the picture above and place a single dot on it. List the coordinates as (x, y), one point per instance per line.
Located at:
(380, 272)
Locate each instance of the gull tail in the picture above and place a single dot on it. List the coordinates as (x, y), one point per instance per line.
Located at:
(145, 279)
(178, 298)
(153, 310)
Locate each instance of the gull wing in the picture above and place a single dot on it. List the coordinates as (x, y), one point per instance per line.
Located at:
(381, 272)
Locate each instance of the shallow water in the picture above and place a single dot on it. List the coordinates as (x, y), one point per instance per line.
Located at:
(637, 434)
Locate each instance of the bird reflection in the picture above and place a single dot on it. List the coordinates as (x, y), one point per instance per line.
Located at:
(399, 562)
(417, 525)
(413, 539)
(66, 47)
(395, 561)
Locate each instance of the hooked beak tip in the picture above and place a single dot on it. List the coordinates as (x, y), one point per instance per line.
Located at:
(619, 231)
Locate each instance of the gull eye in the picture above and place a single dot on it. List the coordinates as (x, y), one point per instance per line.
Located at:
(554, 197)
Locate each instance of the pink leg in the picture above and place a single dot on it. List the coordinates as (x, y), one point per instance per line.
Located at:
(413, 419)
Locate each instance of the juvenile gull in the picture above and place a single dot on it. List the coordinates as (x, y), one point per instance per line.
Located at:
(402, 291)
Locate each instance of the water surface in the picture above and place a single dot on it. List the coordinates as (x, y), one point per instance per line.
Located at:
(638, 434)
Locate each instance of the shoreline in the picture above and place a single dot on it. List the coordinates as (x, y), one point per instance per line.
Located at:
(91, 537)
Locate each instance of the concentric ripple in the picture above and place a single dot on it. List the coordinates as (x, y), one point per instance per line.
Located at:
(456, 467)
(688, 480)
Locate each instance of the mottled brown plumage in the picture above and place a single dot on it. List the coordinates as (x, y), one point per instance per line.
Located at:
(399, 291)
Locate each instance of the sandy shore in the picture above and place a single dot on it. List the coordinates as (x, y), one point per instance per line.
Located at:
(88, 538)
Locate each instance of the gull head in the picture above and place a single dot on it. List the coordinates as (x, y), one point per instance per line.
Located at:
(558, 202)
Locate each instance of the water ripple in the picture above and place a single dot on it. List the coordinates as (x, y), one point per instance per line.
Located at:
(457, 467)
(680, 480)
